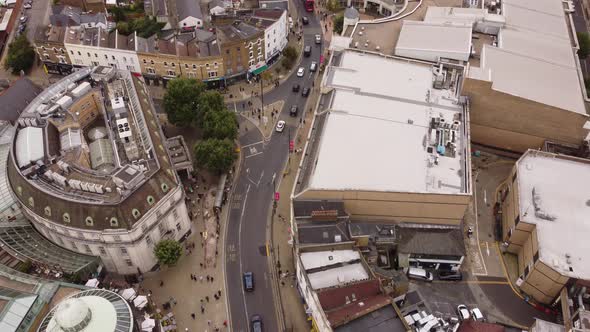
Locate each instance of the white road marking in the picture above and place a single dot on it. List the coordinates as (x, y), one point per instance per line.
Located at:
(252, 155)
(249, 145)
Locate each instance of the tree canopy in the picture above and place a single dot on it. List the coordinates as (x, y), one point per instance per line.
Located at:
(215, 155)
(220, 124)
(181, 101)
(168, 252)
(338, 24)
(584, 41)
(21, 55)
(289, 57)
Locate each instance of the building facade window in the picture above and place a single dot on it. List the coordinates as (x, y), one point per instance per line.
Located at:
(117, 238)
(102, 250)
(123, 251)
(148, 240)
(87, 249)
(178, 227)
(129, 262)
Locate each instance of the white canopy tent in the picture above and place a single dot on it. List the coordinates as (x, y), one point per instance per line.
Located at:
(129, 294)
(140, 302)
(92, 283)
(148, 325)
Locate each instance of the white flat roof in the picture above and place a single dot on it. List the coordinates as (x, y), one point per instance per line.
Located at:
(560, 209)
(338, 276)
(29, 145)
(434, 39)
(383, 147)
(534, 55)
(313, 260)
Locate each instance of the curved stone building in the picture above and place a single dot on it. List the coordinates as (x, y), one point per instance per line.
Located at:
(89, 166)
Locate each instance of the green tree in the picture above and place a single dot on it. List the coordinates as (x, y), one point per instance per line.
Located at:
(338, 24)
(181, 101)
(220, 124)
(333, 5)
(584, 41)
(123, 28)
(21, 55)
(215, 155)
(289, 57)
(290, 52)
(168, 252)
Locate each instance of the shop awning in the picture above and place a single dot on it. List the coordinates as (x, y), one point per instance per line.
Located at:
(259, 70)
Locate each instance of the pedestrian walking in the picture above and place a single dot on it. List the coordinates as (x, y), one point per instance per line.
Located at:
(161, 283)
(207, 298)
(193, 315)
(209, 322)
(202, 309)
(211, 279)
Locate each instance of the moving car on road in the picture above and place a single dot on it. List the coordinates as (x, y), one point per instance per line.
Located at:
(313, 67)
(477, 315)
(280, 126)
(318, 39)
(305, 92)
(296, 88)
(463, 312)
(450, 275)
(294, 110)
(256, 323)
(305, 20)
(248, 281)
(27, 5)
(307, 50)
(419, 274)
(300, 72)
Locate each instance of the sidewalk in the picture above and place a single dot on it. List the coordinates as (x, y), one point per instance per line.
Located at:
(202, 258)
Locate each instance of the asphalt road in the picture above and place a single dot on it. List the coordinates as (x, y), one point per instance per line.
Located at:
(493, 296)
(38, 16)
(248, 223)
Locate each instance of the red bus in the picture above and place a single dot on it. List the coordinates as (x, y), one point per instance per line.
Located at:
(308, 4)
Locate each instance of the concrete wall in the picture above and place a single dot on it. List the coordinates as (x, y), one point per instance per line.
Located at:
(413, 207)
(517, 124)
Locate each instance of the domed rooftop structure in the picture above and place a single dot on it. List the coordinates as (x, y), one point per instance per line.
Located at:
(95, 310)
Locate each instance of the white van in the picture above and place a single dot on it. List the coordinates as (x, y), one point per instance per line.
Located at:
(419, 274)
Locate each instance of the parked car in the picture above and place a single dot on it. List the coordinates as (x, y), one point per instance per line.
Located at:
(294, 110)
(23, 19)
(318, 39)
(305, 20)
(300, 72)
(248, 281)
(463, 312)
(307, 50)
(256, 323)
(450, 275)
(27, 5)
(419, 274)
(305, 92)
(296, 88)
(22, 27)
(313, 67)
(477, 315)
(280, 126)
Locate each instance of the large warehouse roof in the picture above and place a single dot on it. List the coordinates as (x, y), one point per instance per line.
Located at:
(431, 41)
(385, 147)
(534, 55)
(553, 195)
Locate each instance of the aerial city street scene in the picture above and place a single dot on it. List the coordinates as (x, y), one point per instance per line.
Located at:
(294, 165)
